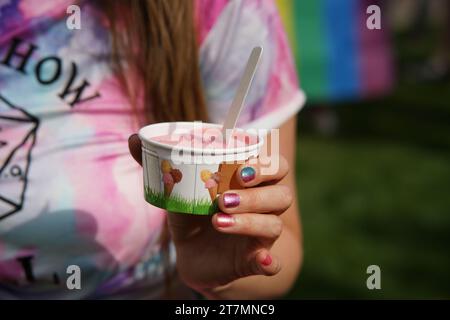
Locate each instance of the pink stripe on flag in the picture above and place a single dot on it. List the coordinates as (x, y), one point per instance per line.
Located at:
(377, 74)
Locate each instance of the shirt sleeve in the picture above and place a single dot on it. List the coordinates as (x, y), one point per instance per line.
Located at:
(275, 95)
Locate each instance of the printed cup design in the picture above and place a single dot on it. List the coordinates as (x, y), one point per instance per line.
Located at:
(211, 182)
(192, 185)
(170, 176)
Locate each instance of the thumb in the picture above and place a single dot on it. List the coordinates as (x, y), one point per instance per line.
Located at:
(134, 145)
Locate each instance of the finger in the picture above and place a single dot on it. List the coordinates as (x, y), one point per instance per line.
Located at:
(254, 171)
(134, 144)
(263, 263)
(249, 224)
(273, 199)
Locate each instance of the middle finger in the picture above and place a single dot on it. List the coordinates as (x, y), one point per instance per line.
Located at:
(268, 199)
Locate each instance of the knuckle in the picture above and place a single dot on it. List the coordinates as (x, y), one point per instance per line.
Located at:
(248, 268)
(243, 223)
(278, 266)
(254, 198)
(277, 227)
(286, 196)
(284, 165)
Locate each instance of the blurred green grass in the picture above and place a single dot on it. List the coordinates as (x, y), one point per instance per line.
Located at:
(377, 192)
(374, 202)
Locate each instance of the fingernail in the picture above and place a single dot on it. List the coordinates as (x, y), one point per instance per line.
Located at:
(225, 220)
(231, 200)
(247, 174)
(267, 261)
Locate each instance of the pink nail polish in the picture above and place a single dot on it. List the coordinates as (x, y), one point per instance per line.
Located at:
(231, 200)
(267, 261)
(225, 220)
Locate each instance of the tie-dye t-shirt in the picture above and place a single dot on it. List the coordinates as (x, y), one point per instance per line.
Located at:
(70, 194)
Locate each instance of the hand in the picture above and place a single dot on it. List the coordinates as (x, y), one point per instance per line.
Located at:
(235, 243)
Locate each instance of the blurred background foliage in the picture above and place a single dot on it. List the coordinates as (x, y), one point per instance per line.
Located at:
(374, 178)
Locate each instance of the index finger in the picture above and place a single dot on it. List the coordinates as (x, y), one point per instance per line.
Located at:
(253, 172)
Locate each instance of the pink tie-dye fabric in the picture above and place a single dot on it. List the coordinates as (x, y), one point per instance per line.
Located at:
(69, 192)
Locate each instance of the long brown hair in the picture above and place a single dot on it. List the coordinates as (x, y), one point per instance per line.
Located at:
(155, 56)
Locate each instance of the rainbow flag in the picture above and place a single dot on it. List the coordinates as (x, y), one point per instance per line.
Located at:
(337, 56)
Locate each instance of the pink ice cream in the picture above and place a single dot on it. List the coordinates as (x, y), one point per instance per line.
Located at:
(207, 138)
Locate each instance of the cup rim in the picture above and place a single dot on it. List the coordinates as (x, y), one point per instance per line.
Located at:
(208, 151)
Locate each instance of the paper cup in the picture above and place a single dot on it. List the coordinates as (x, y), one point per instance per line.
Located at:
(189, 179)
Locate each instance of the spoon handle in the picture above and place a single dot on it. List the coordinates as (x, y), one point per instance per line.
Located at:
(241, 94)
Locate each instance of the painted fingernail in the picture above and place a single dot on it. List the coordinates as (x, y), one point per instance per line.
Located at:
(247, 174)
(267, 261)
(225, 220)
(231, 200)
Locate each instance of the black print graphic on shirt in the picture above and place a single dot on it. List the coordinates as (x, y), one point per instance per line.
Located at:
(15, 150)
(15, 155)
(19, 57)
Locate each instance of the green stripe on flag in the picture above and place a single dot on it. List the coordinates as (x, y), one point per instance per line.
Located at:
(311, 51)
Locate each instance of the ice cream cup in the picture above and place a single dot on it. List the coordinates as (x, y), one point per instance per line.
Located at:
(188, 179)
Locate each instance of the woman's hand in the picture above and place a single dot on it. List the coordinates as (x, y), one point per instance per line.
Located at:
(235, 243)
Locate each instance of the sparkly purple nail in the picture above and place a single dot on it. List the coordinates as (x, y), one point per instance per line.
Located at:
(231, 200)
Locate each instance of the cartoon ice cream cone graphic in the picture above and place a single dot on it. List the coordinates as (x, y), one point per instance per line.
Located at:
(211, 182)
(170, 177)
(212, 191)
(228, 180)
(168, 184)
